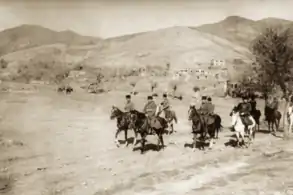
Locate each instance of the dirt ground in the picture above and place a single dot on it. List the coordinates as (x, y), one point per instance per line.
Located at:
(58, 144)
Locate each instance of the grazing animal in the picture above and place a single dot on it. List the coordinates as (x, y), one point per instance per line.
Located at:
(142, 125)
(170, 117)
(239, 128)
(273, 118)
(198, 128)
(124, 123)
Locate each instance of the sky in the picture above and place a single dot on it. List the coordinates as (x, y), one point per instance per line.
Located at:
(109, 18)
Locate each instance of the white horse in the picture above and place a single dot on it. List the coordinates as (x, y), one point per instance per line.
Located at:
(240, 128)
(290, 117)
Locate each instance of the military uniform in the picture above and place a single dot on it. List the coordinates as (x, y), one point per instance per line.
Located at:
(206, 110)
(129, 106)
(150, 110)
(165, 107)
(244, 109)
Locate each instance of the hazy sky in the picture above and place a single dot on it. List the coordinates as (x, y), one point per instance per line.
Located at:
(113, 18)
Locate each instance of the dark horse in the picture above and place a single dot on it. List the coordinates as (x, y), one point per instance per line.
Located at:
(198, 128)
(123, 123)
(158, 124)
(256, 114)
(218, 125)
(273, 118)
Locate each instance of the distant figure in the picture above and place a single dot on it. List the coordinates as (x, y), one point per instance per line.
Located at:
(252, 103)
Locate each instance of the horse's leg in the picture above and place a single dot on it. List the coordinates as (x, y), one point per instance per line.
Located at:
(142, 142)
(237, 139)
(162, 140)
(172, 128)
(135, 137)
(159, 141)
(116, 137)
(194, 142)
(126, 137)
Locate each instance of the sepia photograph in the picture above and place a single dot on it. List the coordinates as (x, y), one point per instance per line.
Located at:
(146, 97)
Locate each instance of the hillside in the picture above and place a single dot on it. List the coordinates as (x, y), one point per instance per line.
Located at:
(240, 30)
(28, 36)
(179, 46)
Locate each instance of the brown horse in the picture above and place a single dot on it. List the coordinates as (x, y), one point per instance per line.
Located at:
(199, 128)
(142, 126)
(123, 123)
(273, 118)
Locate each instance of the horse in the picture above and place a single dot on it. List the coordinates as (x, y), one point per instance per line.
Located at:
(142, 125)
(123, 123)
(256, 114)
(290, 117)
(273, 118)
(218, 125)
(239, 128)
(198, 128)
(170, 117)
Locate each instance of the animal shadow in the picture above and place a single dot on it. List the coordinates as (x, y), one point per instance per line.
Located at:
(198, 145)
(149, 147)
(129, 140)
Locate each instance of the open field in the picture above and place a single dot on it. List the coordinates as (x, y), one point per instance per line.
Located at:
(56, 144)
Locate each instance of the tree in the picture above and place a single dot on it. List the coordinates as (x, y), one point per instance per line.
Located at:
(273, 54)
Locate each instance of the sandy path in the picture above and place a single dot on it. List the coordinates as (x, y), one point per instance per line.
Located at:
(69, 149)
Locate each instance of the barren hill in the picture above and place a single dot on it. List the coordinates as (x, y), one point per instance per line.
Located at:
(28, 36)
(180, 46)
(240, 30)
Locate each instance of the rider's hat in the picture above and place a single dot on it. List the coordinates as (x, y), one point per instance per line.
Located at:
(209, 99)
(128, 96)
(164, 95)
(204, 97)
(150, 97)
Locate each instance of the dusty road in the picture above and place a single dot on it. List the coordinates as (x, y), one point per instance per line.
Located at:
(57, 144)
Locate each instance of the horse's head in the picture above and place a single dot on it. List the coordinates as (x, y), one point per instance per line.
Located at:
(192, 112)
(115, 112)
(235, 116)
(234, 110)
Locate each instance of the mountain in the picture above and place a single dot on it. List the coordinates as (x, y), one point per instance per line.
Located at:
(28, 36)
(180, 46)
(240, 30)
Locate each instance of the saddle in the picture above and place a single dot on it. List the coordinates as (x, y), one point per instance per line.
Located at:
(157, 123)
(209, 119)
(245, 120)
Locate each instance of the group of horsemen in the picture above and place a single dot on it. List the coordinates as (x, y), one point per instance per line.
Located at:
(206, 110)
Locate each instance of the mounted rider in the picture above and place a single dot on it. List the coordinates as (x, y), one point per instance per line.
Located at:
(150, 110)
(206, 110)
(244, 109)
(129, 105)
(165, 105)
